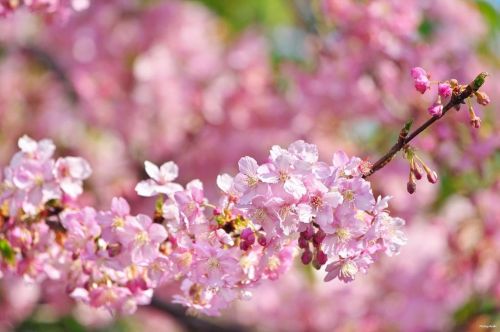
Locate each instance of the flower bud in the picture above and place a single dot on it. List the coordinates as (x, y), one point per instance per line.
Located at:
(420, 79)
(244, 245)
(262, 240)
(321, 257)
(482, 98)
(436, 109)
(306, 257)
(432, 177)
(303, 243)
(319, 237)
(411, 186)
(417, 171)
(444, 90)
(308, 233)
(475, 122)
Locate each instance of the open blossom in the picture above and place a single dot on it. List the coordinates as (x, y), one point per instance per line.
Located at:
(436, 109)
(218, 251)
(70, 173)
(142, 237)
(161, 180)
(420, 79)
(444, 90)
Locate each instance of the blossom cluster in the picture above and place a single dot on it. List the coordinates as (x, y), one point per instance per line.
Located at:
(43, 6)
(266, 213)
(445, 90)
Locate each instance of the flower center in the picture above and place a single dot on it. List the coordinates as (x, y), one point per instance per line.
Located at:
(283, 175)
(259, 215)
(316, 202)
(141, 238)
(348, 195)
(39, 180)
(118, 222)
(343, 234)
(273, 263)
(213, 263)
(252, 181)
(349, 269)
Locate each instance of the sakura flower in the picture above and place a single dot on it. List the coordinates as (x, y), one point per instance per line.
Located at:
(81, 228)
(346, 269)
(343, 232)
(113, 221)
(420, 79)
(69, 172)
(161, 180)
(142, 238)
(247, 182)
(358, 192)
(444, 90)
(436, 109)
(190, 201)
(282, 172)
(390, 231)
(214, 266)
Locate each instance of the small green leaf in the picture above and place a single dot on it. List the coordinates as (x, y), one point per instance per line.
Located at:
(7, 252)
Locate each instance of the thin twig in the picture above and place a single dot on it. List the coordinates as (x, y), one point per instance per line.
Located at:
(405, 138)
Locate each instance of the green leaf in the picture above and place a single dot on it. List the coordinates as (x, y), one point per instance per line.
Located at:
(7, 252)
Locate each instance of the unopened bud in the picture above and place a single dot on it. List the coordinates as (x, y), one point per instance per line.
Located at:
(432, 177)
(475, 122)
(303, 243)
(262, 240)
(321, 257)
(482, 98)
(417, 171)
(306, 257)
(411, 186)
(319, 237)
(244, 245)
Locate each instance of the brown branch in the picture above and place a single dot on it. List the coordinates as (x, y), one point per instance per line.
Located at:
(404, 137)
(191, 323)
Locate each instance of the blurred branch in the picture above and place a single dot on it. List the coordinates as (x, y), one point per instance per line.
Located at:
(405, 137)
(191, 323)
(49, 62)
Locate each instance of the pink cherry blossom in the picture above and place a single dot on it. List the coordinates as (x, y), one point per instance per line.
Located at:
(161, 180)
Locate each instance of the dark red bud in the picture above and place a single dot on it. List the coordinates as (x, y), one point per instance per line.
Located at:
(306, 257)
(303, 243)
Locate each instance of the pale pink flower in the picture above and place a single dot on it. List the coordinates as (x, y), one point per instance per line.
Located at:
(69, 172)
(420, 79)
(161, 181)
(142, 238)
(436, 109)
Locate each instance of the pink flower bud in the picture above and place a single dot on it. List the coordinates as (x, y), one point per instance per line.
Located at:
(432, 177)
(246, 233)
(318, 237)
(321, 257)
(475, 122)
(262, 240)
(482, 98)
(308, 233)
(417, 171)
(420, 79)
(411, 187)
(306, 257)
(436, 109)
(303, 243)
(244, 245)
(444, 90)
